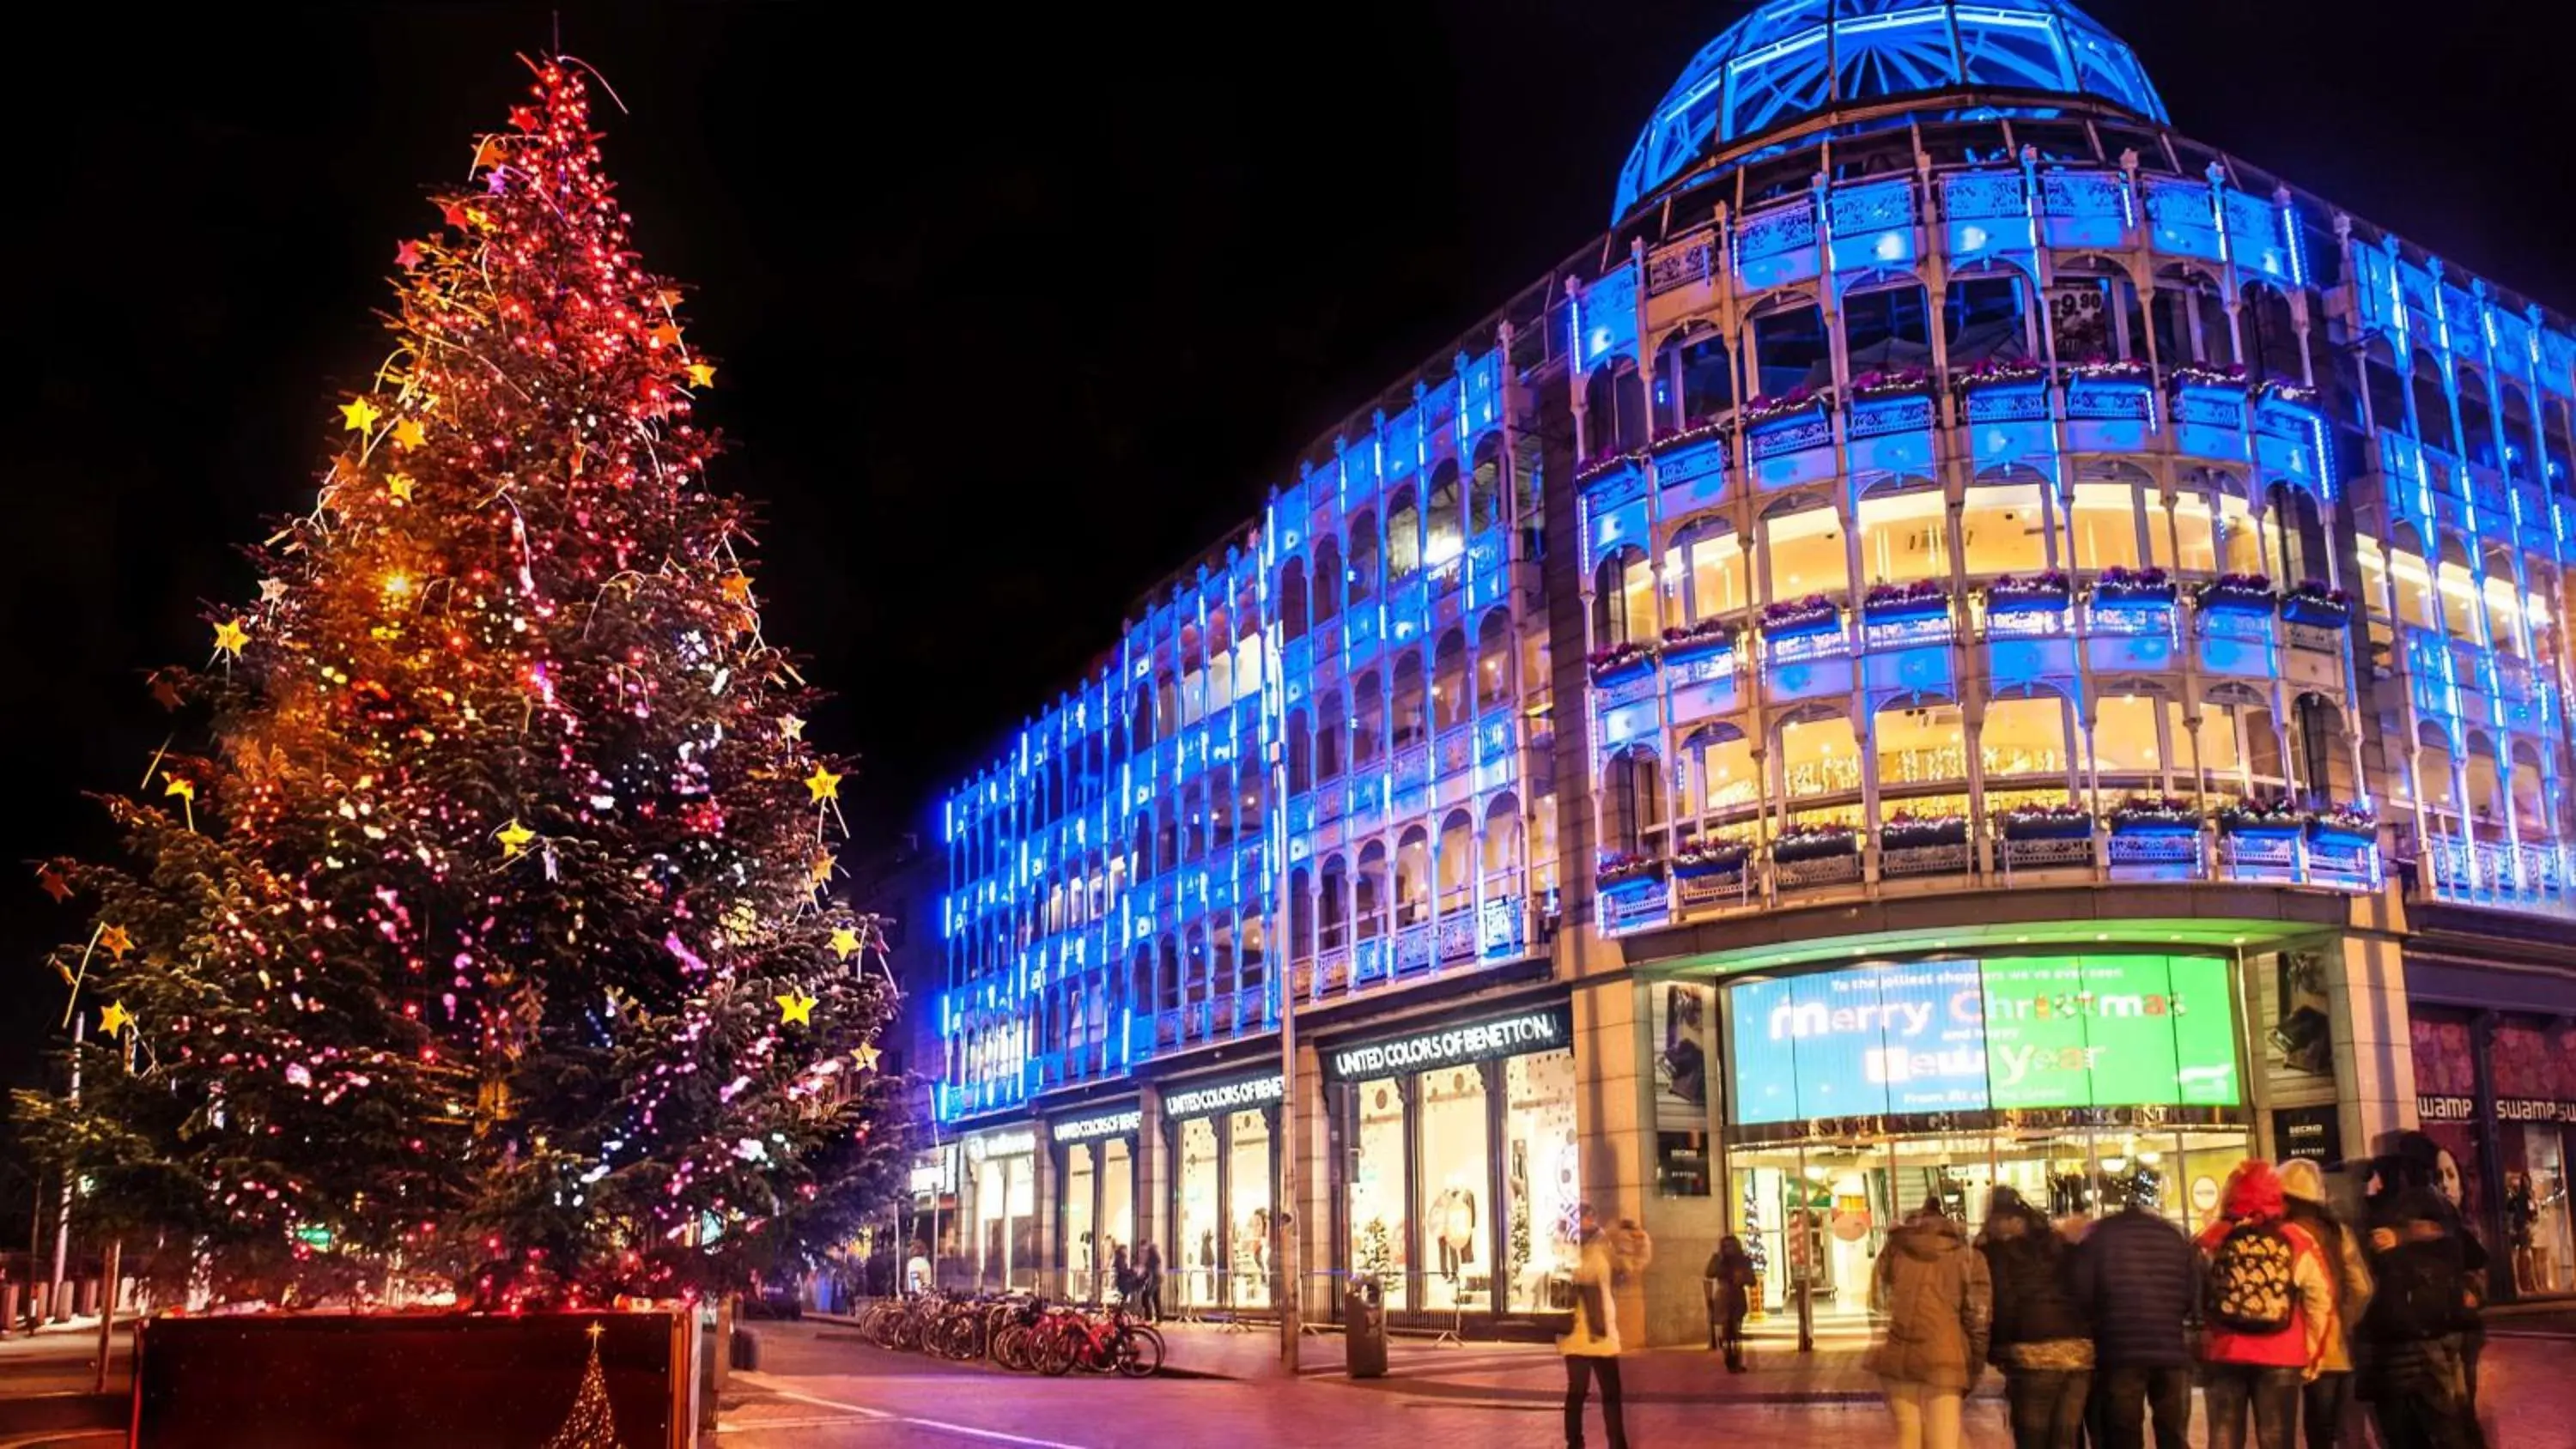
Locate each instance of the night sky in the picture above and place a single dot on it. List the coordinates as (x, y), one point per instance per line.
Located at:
(1014, 314)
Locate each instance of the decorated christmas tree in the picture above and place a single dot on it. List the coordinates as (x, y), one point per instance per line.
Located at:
(489, 936)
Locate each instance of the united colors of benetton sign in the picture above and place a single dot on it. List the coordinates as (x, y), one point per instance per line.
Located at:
(1540, 1029)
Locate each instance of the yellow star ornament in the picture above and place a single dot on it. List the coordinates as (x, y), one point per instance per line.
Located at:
(115, 942)
(790, 727)
(359, 416)
(824, 784)
(845, 939)
(796, 1008)
(409, 433)
(179, 785)
(514, 839)
(113, 1019)
(867, 1057)
(399, 485)
(702, 374)
(821, 870)
(230, 636)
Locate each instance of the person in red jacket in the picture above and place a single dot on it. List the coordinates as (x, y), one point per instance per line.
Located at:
(2266, 1312)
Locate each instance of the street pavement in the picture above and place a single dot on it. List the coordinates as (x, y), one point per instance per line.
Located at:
(822, 1387)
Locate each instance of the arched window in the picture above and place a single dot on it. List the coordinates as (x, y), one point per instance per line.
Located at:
(1330, 723)
(1301, 753)
(1403, 537)
(1368, 892)
(1623, 599)
(1805, 554)
(1485, 486)
(2271, 334)
(2556, 441)
(1368, 719)
(1140, 720)
(2530, 815)
(1412, 878)
(1707, 569)
(1614, 407)
(1818, 757)
(1887, 329)
(2432, 407)
(1632, 802)
(1333, 905)
(1167, 704)
(1494, 659)
(1457, 864)
(1140, 979)
(1140, 845)
(1292, 600)
(1329, 581)
(1982, 316)
(1301, 915)
(1502, 847)
(1698, 378)
(2298, 533)
(1449, 698)
(1445, 521)
(1167, 831)
(1222, 805)
(2520, 428)
(1412, 715)
(1167, 973)
(2486, 787)
(1790, 351)
(2478, 440)
(1364, 557)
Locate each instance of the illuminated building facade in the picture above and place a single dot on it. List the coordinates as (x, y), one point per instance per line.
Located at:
(1970, 640)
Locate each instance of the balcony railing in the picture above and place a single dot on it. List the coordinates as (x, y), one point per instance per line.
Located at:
(2498, 874)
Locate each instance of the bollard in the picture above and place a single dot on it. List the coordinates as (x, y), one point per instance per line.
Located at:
(8, 1307)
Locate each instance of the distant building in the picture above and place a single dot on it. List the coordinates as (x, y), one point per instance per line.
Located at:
(1971, 639)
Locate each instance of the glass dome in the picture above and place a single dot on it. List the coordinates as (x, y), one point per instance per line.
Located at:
(1792, 58)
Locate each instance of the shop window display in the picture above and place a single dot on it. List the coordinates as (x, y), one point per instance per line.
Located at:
(1541, 1184)
(1117, 1226)
(1194, 1256)
(1082, 1248)
(1248, 1203)
(1457, 1238)
(1378, 1226)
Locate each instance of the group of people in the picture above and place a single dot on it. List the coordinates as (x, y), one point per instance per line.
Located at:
(2280, 1309)
(1140, 1282)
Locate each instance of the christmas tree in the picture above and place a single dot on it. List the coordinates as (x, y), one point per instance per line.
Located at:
(489, 936)
(591, 1425)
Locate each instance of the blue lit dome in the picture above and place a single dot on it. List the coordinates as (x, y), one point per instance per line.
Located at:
(1791, 59)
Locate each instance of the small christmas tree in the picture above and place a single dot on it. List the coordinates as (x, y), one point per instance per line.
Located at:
(1377, 1253)
(490, 939)
(592, 1425)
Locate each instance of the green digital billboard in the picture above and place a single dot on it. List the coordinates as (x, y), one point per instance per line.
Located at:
(2011, 1034)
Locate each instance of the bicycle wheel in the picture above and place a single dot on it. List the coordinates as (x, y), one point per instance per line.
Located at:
(1057, 1353)
(1138, 1353)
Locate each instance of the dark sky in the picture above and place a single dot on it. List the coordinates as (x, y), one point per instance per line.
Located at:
(1014, 314)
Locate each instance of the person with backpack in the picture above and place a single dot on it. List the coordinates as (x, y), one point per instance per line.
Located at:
(2266, 1312)
(1939, 1304)
(1728, 1285)
(2041, 1338)
(2327, 1401)
(2137, 1279)
(2413, 1376)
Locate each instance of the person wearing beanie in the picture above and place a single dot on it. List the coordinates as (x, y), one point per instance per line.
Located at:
(2267, 1312)
(2327, 1400)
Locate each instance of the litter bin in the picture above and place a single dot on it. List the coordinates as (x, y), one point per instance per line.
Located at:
(1364, 1329)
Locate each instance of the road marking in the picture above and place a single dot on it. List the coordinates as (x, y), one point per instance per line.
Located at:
(995, 1435)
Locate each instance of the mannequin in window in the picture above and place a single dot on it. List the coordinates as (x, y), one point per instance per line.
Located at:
(1453, 1214)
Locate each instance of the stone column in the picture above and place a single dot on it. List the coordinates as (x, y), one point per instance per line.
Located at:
(1153, 1187)
(1614, 1079)
(2374, 1054)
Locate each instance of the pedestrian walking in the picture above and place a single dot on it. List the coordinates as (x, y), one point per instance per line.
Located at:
(2413, 1375)
(1939, 1304)
(2137, 1280)
(1728, 1286)
(2042, 1339)
(1122, 1274)
(1149, 1281)
(2267, 1311)
(2326, 1402)
(1591, 1350)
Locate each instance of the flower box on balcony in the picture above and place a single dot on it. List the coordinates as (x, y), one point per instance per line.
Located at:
(2285, 390)
(1627, 870)
(1619, 663)
(1898, 382)
(1814, 842)
(2048, 592)
(2344, 827)
(2154, 815)
(1725, 857)
(1796, 400)
(2124, 588)
(2192, 374)
(2314, 603)
(1599, 466)
(2048, 822)
(1996, 373)
(2236, 594)
(1797, 618)
(1913, 832)
(1698, 430)
(2110, 370)
(1902, 603)
(2277, 817)
(1696, 641)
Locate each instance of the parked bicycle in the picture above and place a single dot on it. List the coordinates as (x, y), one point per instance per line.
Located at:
(1018, 1332)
